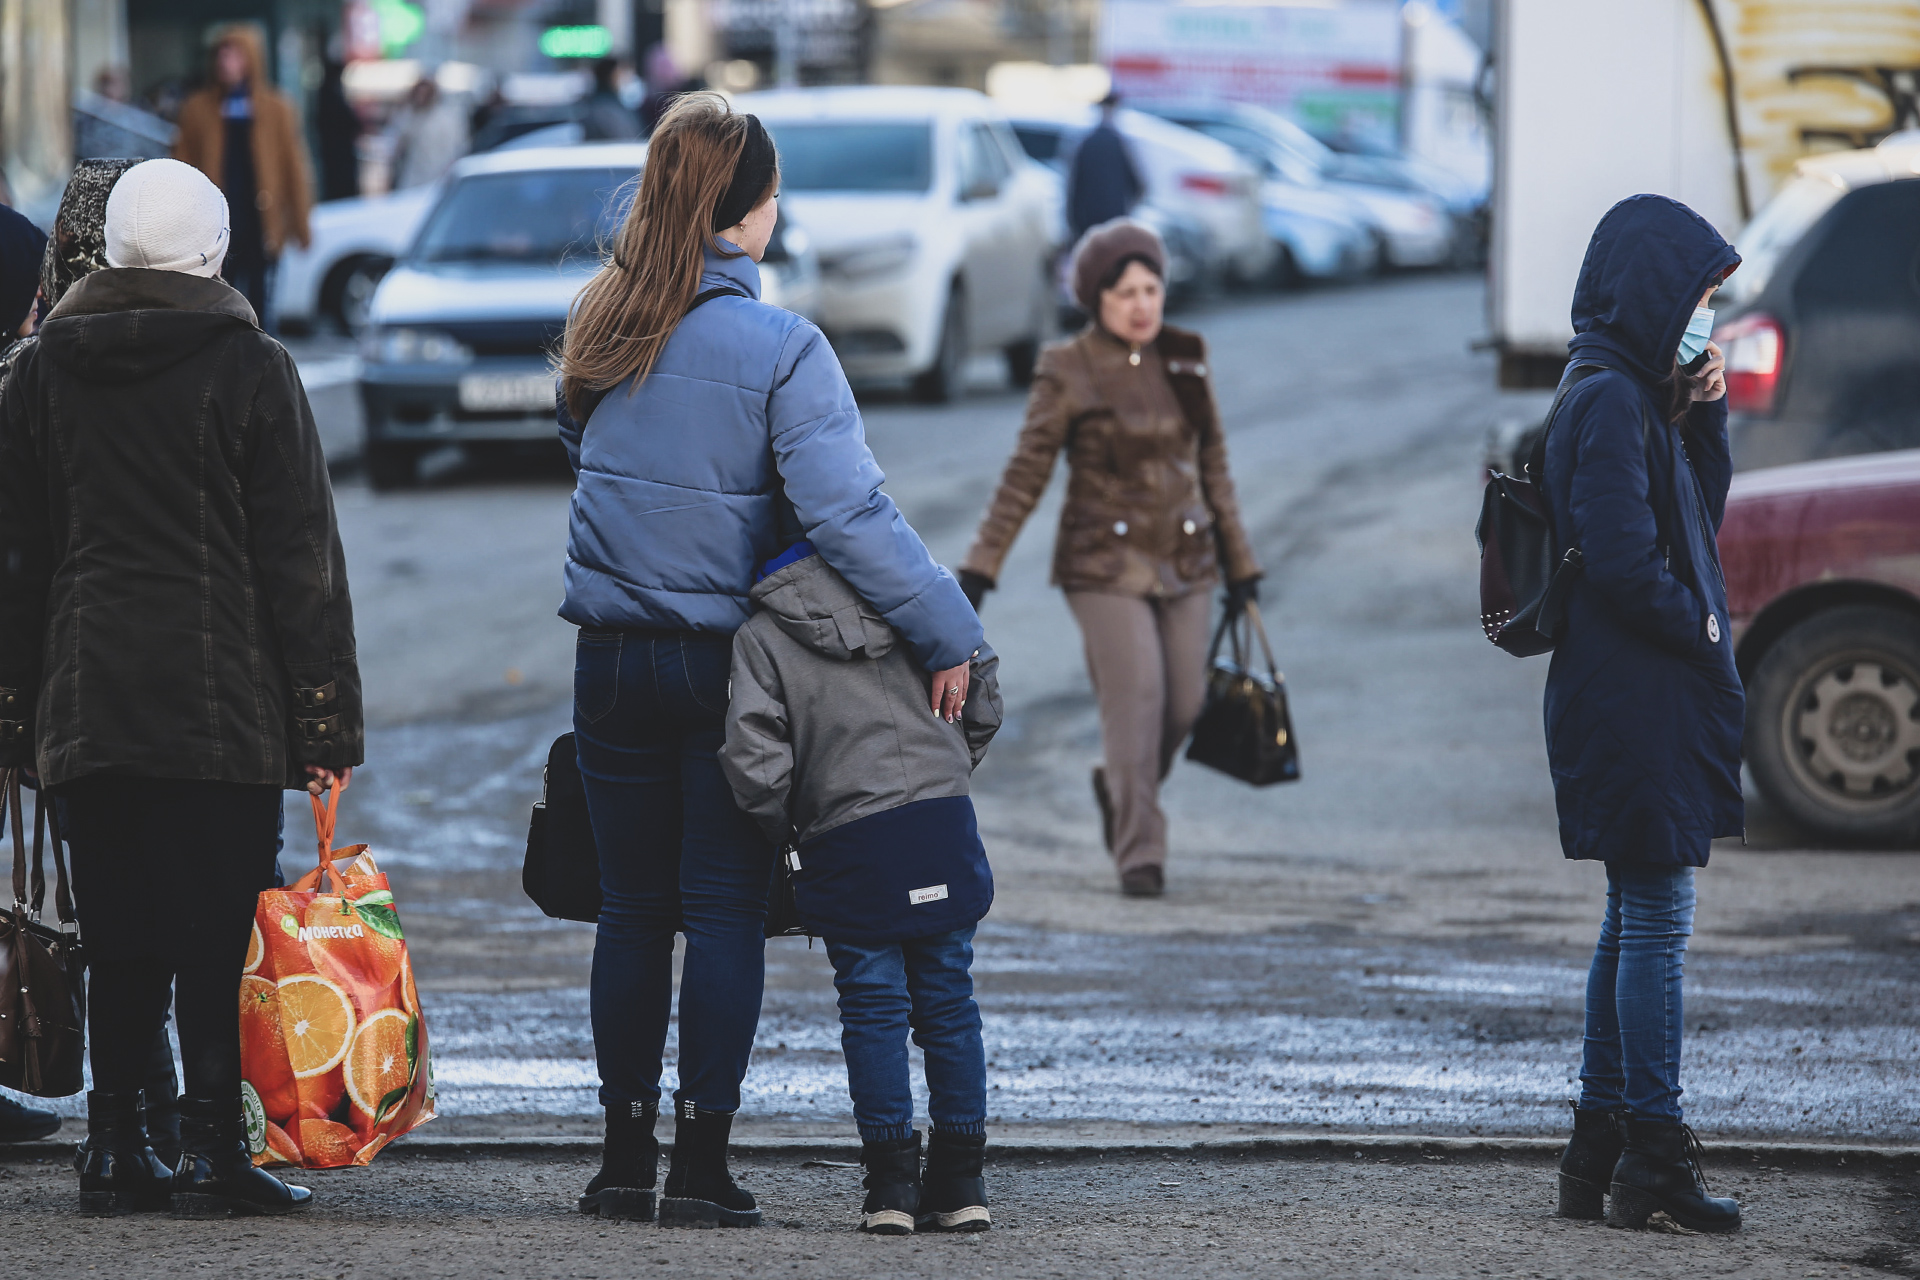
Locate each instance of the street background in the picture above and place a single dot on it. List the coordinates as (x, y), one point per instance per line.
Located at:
(1393, 943)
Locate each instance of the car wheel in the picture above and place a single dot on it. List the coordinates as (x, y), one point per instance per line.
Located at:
(349, 291)
(390, 465)
(941, 383)
(1833, 724)
(1285, 272)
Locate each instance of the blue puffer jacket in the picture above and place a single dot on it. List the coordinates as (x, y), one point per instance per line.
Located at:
(679, 485)
(1644, 708)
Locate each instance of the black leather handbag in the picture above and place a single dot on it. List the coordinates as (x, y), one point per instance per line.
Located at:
(43, 988)
(1244, 729)
(562, 870)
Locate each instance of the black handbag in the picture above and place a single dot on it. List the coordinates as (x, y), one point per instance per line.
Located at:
(43, 988)
(562, 870)
(1244, 729)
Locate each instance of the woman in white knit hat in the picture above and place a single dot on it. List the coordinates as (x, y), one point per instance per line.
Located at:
(176, 648)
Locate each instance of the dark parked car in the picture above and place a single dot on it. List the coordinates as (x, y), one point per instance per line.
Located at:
(1821, 324)
(1822, 561)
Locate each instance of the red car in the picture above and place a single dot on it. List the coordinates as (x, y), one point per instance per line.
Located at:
(1822, 561)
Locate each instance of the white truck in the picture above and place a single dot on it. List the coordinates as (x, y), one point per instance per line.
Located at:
(1708, 101)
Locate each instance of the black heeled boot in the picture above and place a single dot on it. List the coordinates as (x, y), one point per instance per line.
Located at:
(893, 1186)
(954, 1195)
(161, 1094)
(699, 1191)
(118, 1171)
(1660, 1171)
(1586, 1166)
(629, 1164)
(216, 1177)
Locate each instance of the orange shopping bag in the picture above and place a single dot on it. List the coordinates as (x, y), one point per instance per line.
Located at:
(333, 1048)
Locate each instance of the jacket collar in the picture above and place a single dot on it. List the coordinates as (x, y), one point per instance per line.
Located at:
(739, 271)
(143, 289)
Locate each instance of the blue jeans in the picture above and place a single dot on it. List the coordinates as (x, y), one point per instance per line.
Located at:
(676, 855)
(1634, 1012)
(925, 984)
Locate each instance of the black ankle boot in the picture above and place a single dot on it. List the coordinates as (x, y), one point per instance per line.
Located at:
(216, 1177)
(1586, 1166)
(954, 1197)
(629, 1164)
(700, 1192)
(893, 1186)
(118, 1171)
(1660, 1170)
(163, 1128)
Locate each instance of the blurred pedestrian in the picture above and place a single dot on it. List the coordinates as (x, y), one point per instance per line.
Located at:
(603, 116)
(891, 872)
(429, 133)
(207, 664)
(339, 128)
(21, 244)
(245, 136)
(1103, 182)
(665, 83)
(1151, 523)
(709, 431)
(1644, 706)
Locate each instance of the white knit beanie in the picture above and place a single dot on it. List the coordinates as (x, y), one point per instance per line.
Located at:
(167, 216)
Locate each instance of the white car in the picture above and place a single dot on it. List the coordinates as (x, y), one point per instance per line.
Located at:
(1187, 174)
(930, 223)
(354, 242)
(460, 331)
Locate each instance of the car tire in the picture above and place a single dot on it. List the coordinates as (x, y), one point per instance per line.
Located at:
(390, 465)
(1833, 725)
(942, 382)
(1285, 273)
(349, 291)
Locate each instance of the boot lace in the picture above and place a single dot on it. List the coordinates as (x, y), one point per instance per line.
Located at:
(1694, 1153)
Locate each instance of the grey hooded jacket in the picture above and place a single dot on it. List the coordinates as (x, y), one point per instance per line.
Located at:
(829, 719)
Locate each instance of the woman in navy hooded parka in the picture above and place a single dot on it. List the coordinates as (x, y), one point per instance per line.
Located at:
(1644, 708)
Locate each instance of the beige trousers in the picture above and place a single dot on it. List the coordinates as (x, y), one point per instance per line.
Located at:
(1147, 658)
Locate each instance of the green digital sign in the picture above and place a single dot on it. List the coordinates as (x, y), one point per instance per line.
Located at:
(400, 24)
(576, 42)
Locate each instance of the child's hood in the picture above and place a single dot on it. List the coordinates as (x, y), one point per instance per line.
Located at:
(819, 609)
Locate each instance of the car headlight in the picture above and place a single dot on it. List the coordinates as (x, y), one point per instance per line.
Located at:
(403, 345)
(872, 260)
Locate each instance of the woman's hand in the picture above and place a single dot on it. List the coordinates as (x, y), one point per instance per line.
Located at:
(320, 780)
(1711, 382)
(949, 690)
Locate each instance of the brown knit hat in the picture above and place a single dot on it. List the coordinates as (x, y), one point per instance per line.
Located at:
(1106, 245)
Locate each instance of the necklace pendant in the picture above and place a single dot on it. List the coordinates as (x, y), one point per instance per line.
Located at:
(1133, 358)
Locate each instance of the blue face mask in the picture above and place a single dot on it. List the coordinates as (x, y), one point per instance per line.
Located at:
(1694, 340)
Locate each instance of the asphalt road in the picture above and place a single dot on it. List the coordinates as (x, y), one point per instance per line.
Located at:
(1393, 944)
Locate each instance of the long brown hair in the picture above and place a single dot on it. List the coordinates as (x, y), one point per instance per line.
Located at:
(623, 318)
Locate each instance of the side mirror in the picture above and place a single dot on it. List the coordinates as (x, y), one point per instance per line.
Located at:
(982, 188)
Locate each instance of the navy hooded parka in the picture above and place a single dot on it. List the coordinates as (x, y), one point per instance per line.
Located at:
(1644, 708)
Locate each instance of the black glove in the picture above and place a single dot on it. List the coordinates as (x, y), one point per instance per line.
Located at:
(974, 586)
(1240, 593)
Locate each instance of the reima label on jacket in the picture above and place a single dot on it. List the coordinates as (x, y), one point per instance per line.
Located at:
(932, 893)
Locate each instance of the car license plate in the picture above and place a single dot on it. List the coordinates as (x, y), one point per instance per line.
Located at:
(506, 392)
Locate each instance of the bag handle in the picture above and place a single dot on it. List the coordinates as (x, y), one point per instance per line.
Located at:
(324, 814)
(1230, 627)
(62, 893)
(10, 804)
(1259, 628)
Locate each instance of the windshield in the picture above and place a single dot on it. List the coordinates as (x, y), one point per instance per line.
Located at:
(1776, 229)
(537, 217)
(854, 156)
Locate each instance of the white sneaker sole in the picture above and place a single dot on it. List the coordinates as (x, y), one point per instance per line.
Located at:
(887, 1222)
(972, 1218)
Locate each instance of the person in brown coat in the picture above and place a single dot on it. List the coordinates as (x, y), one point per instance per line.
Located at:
(244, 135)
(1150, 523)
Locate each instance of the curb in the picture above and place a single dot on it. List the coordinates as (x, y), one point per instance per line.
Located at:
(1322, 1147)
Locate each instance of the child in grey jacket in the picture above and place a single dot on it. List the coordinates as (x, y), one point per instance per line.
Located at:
(832, 748)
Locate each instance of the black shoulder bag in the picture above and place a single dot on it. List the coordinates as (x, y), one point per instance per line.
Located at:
(43, 989)
(1523, 586)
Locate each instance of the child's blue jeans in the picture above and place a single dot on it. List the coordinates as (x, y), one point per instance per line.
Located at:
(925, 985)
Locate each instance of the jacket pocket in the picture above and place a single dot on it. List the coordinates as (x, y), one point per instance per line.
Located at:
(1194, 553)
(1093, 546)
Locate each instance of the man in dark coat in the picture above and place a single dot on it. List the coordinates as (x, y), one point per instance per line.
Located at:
(1644, 707)
(1103, 183)
(176, 647)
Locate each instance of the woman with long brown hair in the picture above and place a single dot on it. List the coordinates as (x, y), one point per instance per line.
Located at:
(709, 432)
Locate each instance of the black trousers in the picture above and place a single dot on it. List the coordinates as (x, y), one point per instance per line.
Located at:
(165, 876)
